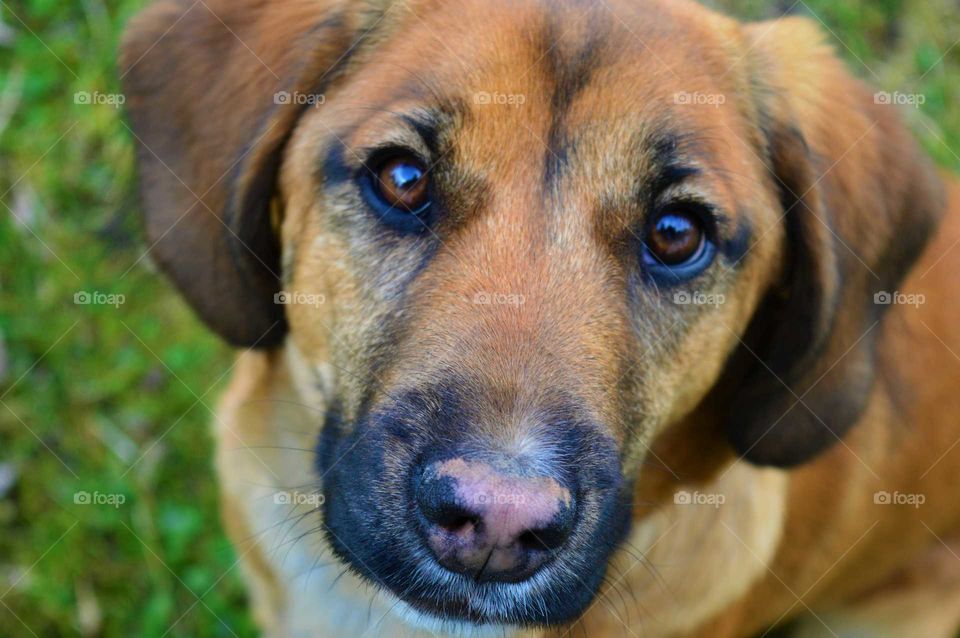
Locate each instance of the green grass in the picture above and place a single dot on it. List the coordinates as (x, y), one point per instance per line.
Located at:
(103, 399)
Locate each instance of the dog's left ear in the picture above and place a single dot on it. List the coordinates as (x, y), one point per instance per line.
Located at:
(214, 90)
(860, 201)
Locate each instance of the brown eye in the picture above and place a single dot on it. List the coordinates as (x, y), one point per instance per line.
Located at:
(675, 238)
(402, 184)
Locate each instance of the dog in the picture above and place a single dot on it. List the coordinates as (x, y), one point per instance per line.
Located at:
(559, 317)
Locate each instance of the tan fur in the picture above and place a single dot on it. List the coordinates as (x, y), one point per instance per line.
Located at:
(754, 546)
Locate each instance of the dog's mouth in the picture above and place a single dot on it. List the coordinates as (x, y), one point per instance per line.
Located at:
(496, 605)
(455, 598)
(558, 593)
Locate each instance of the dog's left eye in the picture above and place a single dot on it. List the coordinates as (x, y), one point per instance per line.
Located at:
(677, 244)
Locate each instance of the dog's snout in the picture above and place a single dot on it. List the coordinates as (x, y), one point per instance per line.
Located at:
(492, 524)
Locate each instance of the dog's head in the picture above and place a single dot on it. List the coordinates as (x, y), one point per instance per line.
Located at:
(519, 243)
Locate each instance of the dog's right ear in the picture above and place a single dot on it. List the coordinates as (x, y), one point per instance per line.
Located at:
(214, 90)
(860, 201)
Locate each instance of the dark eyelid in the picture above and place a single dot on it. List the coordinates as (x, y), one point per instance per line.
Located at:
(711, 216)
(341, 164)
(385, 151)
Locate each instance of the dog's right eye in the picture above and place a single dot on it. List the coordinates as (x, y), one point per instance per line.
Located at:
(398, 189)
(403, 184)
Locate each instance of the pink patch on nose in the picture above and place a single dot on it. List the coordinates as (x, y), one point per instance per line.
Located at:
(491, 524)
(507, 505)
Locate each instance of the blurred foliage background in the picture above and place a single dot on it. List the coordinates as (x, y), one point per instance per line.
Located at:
(116, 399)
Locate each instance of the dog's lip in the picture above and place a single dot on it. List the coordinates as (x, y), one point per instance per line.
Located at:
(457, 608)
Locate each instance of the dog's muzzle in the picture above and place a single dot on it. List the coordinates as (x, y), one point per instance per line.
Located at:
(460, 527)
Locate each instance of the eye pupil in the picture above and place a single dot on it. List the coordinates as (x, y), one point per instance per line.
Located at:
(675, 238)
(402, 184)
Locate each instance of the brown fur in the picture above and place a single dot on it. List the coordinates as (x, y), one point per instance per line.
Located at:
(838, 204)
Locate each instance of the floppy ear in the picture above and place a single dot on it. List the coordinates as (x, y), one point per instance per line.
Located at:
(208, 88)
(860, 201)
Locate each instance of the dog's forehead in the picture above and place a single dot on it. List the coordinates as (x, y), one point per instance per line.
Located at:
(532, 82)
(560, 46)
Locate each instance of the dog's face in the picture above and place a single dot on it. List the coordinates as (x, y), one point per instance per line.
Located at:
(540, 236)
(521, 312)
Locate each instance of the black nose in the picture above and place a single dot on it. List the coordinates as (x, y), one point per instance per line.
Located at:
(489, 524)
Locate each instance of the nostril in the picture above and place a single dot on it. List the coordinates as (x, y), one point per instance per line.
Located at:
(546, 538)
(439, 506)
(458, 525)
(533, 541)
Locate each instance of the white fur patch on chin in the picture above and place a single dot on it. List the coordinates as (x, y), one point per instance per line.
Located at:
(436, 626)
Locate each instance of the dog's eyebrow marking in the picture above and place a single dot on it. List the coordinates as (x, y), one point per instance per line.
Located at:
(427, 126)
(668, 168)
(670, 175)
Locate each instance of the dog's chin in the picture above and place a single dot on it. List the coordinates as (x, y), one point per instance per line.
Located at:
(431, 623)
